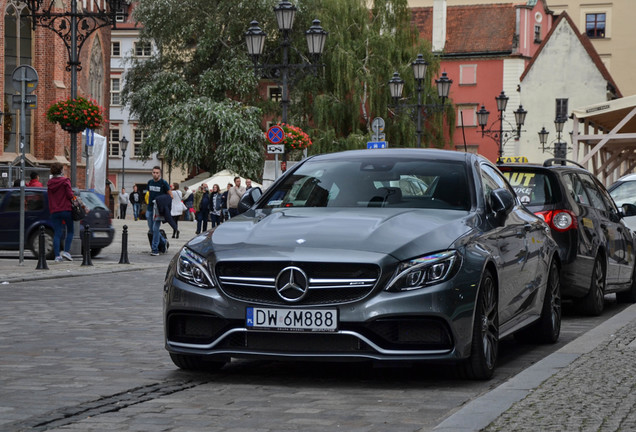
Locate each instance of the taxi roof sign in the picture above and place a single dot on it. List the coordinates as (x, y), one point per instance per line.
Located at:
(513, 159)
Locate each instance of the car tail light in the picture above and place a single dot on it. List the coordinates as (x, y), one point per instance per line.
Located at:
(559, 220)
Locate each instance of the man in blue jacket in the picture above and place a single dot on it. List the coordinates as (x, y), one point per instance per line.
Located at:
(156, 187)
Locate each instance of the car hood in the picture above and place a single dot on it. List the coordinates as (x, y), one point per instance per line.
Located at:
(295, 233)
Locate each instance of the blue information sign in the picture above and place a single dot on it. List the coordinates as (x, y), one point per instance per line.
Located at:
(377, 144)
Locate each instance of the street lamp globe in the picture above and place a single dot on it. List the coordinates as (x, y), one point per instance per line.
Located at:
(558, 124)
(255, 39)
(502, 101)
(482, 117)
(396, 86)
(443, 86)
(123, 144)
(285, 12)
(543, 137)
(419, 67)
(520, 116)
(316, 37)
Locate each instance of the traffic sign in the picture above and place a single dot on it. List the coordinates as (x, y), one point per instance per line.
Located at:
(377, 125)
(30, 101)
(275, 134)
(377, 144)
(24, 73)
(275, 148)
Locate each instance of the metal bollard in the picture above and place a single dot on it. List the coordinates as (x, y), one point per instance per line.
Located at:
(86, 246)
(123, 258)
(42, 252)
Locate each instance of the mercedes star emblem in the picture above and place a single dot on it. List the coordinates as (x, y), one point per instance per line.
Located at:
(292, 284)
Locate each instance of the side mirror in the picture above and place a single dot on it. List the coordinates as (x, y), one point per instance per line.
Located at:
(248, 199)
(501, 202)
(628, 209)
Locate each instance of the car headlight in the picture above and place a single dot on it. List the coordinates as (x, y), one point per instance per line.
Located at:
(424, 271)
(194, 269)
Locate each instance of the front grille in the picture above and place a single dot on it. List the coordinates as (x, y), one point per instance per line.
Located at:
(289, 343)
(329, 283)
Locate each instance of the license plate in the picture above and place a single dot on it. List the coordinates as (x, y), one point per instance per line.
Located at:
(318, 320)
(100, 234)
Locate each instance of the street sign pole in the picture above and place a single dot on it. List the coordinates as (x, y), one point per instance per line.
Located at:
(25, 80)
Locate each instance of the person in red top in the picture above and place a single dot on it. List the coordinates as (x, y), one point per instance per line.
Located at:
(35, 180)
(60, 196)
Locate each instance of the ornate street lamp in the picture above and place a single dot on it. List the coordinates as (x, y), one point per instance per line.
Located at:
(396, 86)
(74, 28)
(560, 147)
(123, 145)
(281, 72)
(501, 135)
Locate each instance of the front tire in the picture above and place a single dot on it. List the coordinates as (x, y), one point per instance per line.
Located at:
(549, 325)
(594, 302)
(485, 342)
(196, 362)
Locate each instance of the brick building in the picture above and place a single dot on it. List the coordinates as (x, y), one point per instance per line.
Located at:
(45, 51)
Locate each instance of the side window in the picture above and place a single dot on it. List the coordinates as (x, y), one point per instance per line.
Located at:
(14, 202)
(593, 192)
(491, 180)
(34, 201)
(2, 195)
(574, 188)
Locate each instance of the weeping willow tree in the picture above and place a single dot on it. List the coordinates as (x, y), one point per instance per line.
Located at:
(364, 47)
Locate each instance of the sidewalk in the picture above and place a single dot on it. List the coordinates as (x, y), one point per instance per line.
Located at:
(107, 261)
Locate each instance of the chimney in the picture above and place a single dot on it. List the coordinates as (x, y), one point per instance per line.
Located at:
(439, 25)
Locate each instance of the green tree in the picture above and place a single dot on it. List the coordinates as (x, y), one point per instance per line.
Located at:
(194, 97)
(364, 47)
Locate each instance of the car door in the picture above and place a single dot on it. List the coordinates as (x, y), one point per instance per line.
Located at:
(517, 267)
(607, 228)
(624, 241)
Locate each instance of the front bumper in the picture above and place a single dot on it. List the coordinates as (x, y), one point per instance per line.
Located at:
(433, 324)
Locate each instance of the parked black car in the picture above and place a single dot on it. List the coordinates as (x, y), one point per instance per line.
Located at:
(386, 255)
(624, 194)
(37, 214)
(595, 246)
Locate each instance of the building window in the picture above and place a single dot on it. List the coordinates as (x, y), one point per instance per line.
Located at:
(561, 109)
(467, 115)
(595, 25)
(274, 93)
(468, 74)
(115, 91)
(115, 49)
(138, 139)
(143, 49)
(113, 143)
(537, 34)
(17, 51)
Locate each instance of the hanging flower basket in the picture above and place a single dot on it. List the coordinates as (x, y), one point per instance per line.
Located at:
(76, 115)
(295, 138)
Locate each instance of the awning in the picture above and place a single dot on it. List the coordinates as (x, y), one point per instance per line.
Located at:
(604, 138)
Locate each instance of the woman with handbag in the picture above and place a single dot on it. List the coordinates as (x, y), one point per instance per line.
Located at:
(60, 195)
(177, 208)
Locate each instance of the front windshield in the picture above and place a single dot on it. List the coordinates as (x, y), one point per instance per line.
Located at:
(397, 182)
(92, 201)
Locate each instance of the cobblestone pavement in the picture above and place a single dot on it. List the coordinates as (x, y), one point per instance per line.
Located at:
(596, 392)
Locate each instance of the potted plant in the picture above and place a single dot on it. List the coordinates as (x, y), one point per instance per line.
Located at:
(295, 140)
(76, 115)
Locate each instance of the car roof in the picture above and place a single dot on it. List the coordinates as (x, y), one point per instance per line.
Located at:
(626, 178)
(399, 152)
(554, 164)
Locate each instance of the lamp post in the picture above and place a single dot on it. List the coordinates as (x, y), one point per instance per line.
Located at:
(74, 28)
(282, 72)
(560, 147)
(123, 145)
(396, 87)
(501, 135)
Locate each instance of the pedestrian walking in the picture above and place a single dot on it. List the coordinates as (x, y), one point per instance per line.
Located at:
(156, 186)
(135, 200)
(234, 195)
(202, 207)
(176, 209)
(123, 200)
(216, 201)
(60, 195)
